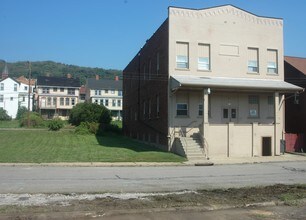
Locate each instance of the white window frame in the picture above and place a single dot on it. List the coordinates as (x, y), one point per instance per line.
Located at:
(253, 101)
(1, 86)
(181, 109)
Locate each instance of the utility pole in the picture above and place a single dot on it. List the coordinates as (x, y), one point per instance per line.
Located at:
(29, 94)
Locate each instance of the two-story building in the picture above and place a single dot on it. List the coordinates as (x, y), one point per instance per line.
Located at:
(56, 96)
(215, 75)
(106, 92)
(25, 98)
(9, 96)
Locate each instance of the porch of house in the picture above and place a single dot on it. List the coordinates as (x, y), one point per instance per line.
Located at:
(226, 122)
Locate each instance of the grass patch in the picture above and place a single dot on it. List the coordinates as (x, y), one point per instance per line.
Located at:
(42, 146)
(10, 124)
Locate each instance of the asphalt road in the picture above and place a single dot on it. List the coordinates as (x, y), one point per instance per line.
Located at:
(38, 179)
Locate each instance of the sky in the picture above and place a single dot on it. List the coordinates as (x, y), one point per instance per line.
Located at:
(108, 33)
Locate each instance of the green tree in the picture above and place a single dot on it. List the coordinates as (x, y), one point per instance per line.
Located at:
(4, 116)
(21, 111)
(89, 112)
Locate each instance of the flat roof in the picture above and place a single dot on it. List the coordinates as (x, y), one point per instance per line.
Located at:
(232, 83)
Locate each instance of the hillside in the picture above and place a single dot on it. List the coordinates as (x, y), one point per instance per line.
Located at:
(50, 68)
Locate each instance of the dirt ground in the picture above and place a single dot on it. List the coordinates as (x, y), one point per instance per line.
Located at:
(271, 202)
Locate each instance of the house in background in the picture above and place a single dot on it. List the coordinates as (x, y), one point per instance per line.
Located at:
(24, 95)
(106, 92)
(56, 96)
(295, 73)
(209, 83)
(9, 96)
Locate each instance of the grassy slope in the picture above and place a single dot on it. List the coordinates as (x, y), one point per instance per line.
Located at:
(41, 146)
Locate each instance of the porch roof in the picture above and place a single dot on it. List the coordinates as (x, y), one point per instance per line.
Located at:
(232, 83)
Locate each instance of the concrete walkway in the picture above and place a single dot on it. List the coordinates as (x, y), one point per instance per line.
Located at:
(211, 161)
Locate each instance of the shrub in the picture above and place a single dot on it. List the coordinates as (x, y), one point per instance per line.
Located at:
(87, 128)
(89, 112)
(55, 124)
(35, 120)
(4, 116)
(21, 111)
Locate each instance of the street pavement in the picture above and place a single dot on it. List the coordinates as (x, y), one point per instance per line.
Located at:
(123, 179)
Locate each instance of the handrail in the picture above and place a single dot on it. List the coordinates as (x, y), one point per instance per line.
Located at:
(188, 126)
(183, 137)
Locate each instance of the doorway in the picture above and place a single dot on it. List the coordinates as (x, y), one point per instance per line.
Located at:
(266, 146)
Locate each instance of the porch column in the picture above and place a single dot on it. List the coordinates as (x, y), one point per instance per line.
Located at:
(277, 125)
(205, 119)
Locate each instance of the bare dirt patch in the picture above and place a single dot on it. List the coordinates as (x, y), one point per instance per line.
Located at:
(74, 206)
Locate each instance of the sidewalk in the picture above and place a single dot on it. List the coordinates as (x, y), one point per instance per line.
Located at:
(210, 162)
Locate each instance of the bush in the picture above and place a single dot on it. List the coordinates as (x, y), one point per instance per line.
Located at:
(55, 124)
(21, 111)
(35, 120)
(4, 116)
(87, 128)
(89, 112)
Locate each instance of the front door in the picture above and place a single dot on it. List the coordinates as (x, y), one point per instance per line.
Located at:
(229, 114)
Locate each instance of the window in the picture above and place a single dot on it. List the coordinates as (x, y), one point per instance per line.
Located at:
(157, 106)
(272, 62)
(54, 101)
(106, 102)
(253, 60)
(157, 63)
(181, 109)
(144, 109)
(49, 101)
(73, 101)
(23, 98)
(15, 87)
(182, 55)
(119, 93)
(1, 86)
(225, 113)
(119, 103)
(96, 101)
(101, 101)
(200, 109)
(150, 108)
(253, 106)
(1, 98)
(67, 101)
(12, 98)
(61, 101)
(114, 102)
(203, 57)
(54, 89)
(270, 106)
(45, 90)
(25, 88)
(71, 91)
(106, 91)
(62, 89)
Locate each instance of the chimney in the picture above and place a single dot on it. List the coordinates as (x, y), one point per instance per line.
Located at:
(69, 76)
(97, 77)
(116, 78)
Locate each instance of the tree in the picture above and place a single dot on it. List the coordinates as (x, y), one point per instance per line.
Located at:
(4, 116)
(89, 112)
(21, 111)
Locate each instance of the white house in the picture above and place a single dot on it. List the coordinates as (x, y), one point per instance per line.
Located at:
(9, 96)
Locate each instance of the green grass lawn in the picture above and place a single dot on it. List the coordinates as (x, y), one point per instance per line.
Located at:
(42, 146)
(10, 124)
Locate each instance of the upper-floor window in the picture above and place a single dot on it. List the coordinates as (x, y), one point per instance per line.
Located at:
(67, 101)
(114, 102)
(62, 89)
(253, 106)
(61, 101)
(182, 55)
(73, 101)
(157, 63)
(119, 103)
(54, 89)
(25, 88)
(45, 90)
(253, 60)
(1, 98)
(54, 101)
(203, 57)
(15, 87)
(1, 86)
(106, 102)
(106, 91)
(97, 92)
(71, 91)
(49, 101)
(272, 62)
(120, 93)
